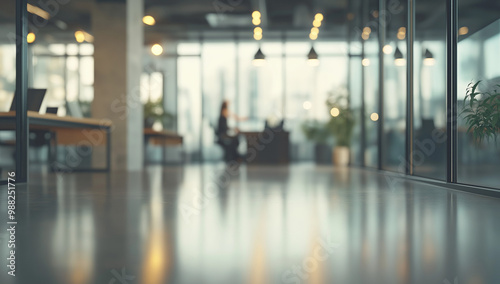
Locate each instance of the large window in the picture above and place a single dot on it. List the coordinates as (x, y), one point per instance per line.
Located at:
(478, 60)
(395, 93)
(429, 92)
(285, 87)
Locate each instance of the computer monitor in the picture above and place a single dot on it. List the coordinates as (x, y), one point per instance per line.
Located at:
(52, 110)
(34, 98)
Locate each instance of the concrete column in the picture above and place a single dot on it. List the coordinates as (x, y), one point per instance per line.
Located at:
(118, 43)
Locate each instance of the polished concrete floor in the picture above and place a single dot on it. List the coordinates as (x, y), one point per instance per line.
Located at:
(211, 224)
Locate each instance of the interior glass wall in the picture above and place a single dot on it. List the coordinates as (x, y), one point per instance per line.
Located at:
(370, 63)
(429, 90)
(478, 60)
(395, 57)
(356, 99)
(189, 105)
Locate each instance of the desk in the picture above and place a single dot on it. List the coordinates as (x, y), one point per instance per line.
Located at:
(83, 132)
(269, 147)
(163, 137)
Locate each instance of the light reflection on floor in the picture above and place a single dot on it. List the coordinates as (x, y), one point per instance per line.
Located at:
(206, 224)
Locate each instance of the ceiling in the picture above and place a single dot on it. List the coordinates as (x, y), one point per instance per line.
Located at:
(229, 19)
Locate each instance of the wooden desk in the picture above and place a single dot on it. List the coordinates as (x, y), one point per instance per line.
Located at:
(67, 130)
(163, 137)
(263, 150)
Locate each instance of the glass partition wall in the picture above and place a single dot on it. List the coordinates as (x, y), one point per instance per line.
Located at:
(478, 60)
(400, 95)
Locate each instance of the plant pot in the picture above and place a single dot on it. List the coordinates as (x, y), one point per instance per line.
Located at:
(340, 156)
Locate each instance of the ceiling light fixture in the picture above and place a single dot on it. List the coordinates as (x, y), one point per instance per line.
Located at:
(312, 57)
(38, 11)
(79, 36)
(429, 58)
(157, 49)
(149, 20)
(387, 49)
(31, 37)
(398, 58)
(259, 59)
(463, 31)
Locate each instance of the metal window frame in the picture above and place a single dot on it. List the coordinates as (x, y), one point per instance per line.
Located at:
(451, 90)
(22, 127)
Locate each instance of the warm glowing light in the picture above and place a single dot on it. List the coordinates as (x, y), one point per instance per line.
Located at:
(374, 116)
(375, 14)
(31, 38)
(259, 62)
(256, 21)
(157, 49)
(318, 17)
(401, 36)
(335, 112)
(257, 31)
(313, 62)
(149, 20)
(387, 49)
(38, 11)
(367, 30)
(463, 31)
(313, 36)
(365, 62)
(429, 61)
(79, 36)
(402, 30)
(400, 62)
(307, 105)
(314, 30)
(365, 36)
(88, 37)
(256, 14)
(257, 36)
(317, 23)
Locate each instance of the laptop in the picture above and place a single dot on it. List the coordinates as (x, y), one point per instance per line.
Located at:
(34, 98)
(52, 110)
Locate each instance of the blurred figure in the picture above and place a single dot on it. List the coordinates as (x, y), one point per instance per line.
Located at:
(228, 138)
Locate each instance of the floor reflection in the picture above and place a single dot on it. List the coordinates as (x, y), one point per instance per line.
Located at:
(248, 225)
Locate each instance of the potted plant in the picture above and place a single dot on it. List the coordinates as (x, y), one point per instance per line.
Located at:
(319, 133)
(341, 125)
(481, 110)
(154, 112)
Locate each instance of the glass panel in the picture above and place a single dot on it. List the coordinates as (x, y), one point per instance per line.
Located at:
(371, 64)
(219, 75)
(49, 74)
(395, 55)
(7, 85)
(479, 60)
(356, 98)
(429, 105)
(189, 105)
(260, 87)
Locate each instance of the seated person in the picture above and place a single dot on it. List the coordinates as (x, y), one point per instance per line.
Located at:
(225, 138)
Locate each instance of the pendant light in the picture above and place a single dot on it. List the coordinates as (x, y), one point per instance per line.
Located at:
(312, 58)
(398, 58)
(428, 58)
(259, 59)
